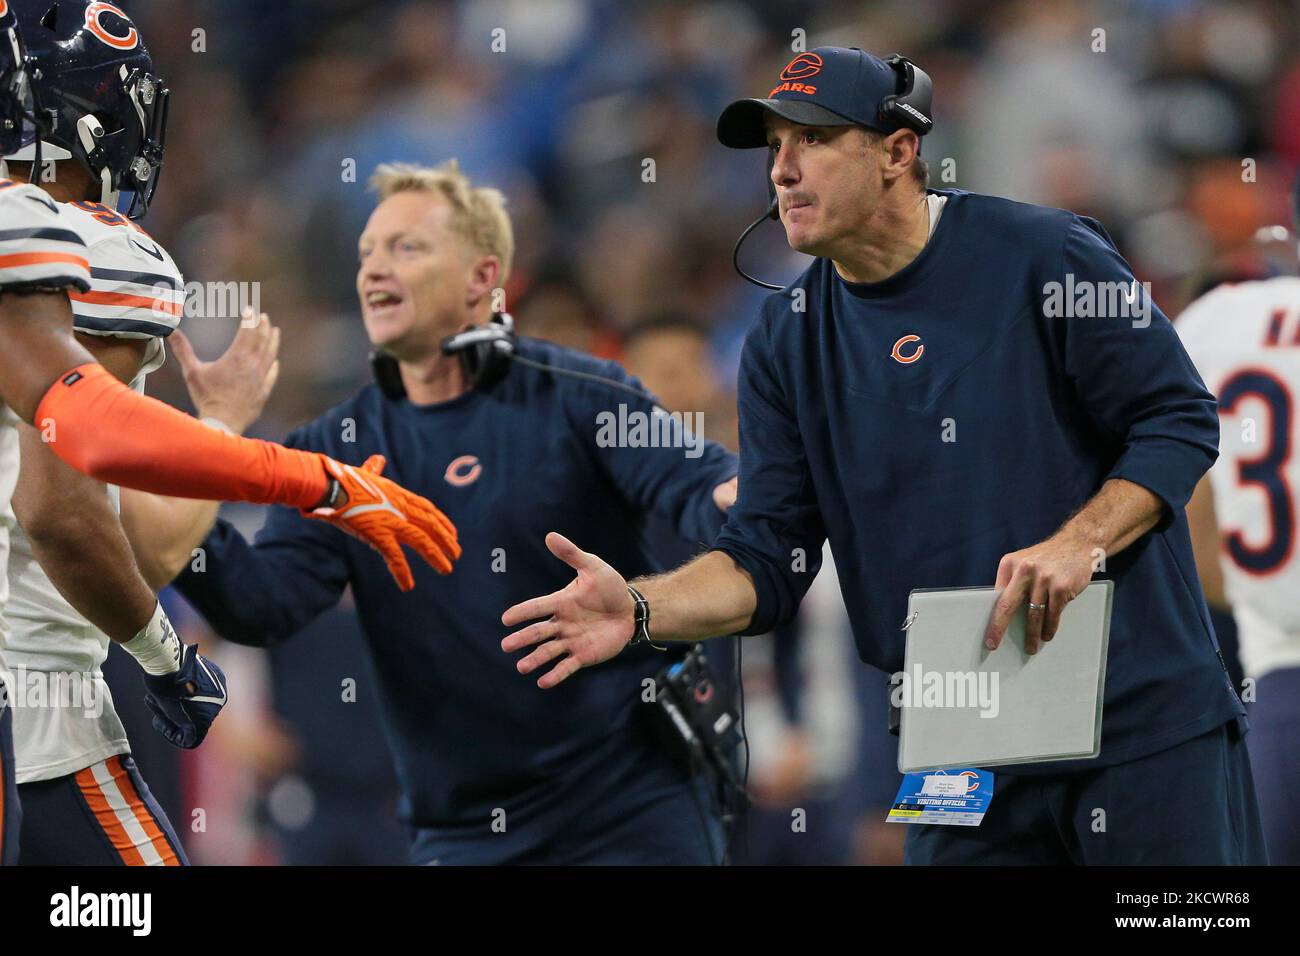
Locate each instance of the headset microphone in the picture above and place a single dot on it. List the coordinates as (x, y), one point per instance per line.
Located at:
(773, 212)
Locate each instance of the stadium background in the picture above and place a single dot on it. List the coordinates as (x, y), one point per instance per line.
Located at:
(283, 99)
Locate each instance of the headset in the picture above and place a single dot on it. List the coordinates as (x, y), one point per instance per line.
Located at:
(910, 107)
(486, 353)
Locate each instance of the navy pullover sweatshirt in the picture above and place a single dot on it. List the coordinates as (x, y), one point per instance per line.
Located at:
(470, 735)
(934, 421)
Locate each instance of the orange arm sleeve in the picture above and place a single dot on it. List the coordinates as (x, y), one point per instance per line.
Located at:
(100, 427)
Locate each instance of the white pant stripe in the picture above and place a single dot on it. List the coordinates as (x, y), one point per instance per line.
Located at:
(125, 816)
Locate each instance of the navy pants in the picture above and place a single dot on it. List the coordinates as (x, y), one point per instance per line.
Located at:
(666, 824)
(11, 813)
(1191, 805)
(103, 815)
(677, 827)
(1274, 741)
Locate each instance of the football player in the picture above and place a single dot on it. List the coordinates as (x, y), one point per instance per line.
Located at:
(83, 797)
(1245, 341)
(101, 427)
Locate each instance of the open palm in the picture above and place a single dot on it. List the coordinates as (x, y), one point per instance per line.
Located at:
(587, 622)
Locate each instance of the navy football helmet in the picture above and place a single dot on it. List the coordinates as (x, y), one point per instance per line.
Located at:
(98, 95)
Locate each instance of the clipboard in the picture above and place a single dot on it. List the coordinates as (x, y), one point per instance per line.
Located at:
(963, 705)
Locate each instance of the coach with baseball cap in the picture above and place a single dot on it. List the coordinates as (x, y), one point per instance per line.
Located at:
(922, 396)
(830, 86)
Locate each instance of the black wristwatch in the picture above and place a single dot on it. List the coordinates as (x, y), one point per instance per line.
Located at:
(641, 620)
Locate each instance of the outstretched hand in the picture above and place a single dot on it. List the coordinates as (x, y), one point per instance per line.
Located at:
(386, 516)
(587, 622)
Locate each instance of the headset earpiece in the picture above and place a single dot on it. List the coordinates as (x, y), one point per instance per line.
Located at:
(910, 107)
(484, 353)
(387, 375)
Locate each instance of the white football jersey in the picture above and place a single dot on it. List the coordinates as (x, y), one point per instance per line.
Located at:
(1245, 341)
(38, 244)
(135, 291)
(37, 247)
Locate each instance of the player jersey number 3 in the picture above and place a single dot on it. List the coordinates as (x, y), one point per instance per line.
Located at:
(1264, 471)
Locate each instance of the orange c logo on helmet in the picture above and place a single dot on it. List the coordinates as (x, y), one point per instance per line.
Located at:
(802, 66)
(4, 7)
(463, 471)
(93, 24)
(897, 353)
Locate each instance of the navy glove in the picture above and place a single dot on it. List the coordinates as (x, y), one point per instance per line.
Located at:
(182, 716)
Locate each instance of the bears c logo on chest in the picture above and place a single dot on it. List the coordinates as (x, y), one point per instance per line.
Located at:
(903, 355)
(463, 471)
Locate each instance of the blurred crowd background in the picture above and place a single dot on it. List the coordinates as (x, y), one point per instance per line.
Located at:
(1175, 122)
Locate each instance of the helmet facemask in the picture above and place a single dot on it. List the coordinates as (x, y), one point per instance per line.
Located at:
(128, 159)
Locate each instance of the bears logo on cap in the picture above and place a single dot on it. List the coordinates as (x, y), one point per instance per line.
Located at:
(802, 67)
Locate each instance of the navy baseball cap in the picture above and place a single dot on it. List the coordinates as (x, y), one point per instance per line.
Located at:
(828, 86)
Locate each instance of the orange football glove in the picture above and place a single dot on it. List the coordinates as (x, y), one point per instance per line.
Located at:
(386, 516)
